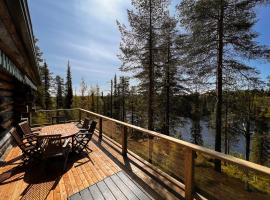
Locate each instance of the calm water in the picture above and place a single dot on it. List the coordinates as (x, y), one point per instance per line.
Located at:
(208, 136)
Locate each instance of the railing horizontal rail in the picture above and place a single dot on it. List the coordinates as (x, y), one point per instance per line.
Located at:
(215, 154)
(184, 158)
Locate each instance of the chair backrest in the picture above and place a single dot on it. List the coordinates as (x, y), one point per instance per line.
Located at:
(25, 128)
(51, 139)
(17, 138)
(92, 127)
(52, 145)
(86, 122)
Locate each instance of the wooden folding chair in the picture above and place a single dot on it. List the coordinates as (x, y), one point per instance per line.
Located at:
(82, 139)
(29, 149)
(54, 146)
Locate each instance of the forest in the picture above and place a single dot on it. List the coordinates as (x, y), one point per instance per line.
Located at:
(187, 68)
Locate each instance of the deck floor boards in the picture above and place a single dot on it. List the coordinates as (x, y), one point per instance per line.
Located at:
(104, 169)
(113, 187)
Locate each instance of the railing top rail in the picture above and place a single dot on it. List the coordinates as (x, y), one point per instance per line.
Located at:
(215, 154)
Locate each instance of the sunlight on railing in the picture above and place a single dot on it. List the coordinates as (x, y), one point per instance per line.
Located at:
(181, 161)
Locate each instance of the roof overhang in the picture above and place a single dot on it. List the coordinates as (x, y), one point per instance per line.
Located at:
(17, 40)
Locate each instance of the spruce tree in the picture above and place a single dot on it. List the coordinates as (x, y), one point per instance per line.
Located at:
(40, 89)
(69, 91)
(47, 85)
(111, 100)
(59, 92)
(124, 88)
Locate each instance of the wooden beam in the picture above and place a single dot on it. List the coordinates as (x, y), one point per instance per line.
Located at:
(189, 174)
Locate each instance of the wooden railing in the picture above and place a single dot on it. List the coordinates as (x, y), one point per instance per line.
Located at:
(248, 179)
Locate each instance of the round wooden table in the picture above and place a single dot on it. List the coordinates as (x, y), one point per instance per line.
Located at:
(65, 130)
(68, 130)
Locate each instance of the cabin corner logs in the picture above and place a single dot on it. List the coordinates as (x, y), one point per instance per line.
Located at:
(14, 96)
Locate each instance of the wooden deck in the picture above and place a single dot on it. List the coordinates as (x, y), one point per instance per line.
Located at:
(47, 180)
(117, 186)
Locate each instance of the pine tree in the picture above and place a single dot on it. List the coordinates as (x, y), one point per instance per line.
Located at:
(139, 47)
(221, 36)
(69, 91)
(171, 72)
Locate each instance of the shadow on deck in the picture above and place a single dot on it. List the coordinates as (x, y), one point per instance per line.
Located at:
(46, 180)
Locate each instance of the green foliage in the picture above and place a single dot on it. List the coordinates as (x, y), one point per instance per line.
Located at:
(59, 94)
(68, 89)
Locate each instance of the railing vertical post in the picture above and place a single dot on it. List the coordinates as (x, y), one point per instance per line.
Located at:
(189, 174)
(100, 129)
(124, 141)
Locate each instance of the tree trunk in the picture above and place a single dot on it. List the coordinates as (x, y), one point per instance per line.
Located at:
(132, 112)
(247, 140)
(151, 74)
(167, 111)
(151, 86)
(219, 86)
(111, 98)
(226, 128)
(151, 70)
(123, 107)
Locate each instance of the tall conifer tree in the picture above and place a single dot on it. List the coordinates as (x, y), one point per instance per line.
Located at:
(69, 91)
(140, 47)
(221, 37)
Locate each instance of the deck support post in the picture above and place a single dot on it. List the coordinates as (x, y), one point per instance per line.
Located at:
(189, 174)
(124, 141)
(100, 129)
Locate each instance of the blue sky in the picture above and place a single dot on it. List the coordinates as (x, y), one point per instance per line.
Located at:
(85, 33)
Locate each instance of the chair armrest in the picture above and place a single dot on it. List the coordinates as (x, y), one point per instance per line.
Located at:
(30, 136)
(68, 140)
(86, 133)
(36, 129)
(83, 129)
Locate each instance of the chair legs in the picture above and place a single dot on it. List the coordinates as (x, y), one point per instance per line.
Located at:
(87, 148)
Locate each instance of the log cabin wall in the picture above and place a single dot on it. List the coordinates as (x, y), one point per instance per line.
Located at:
(14, 97)
(19, 74)
(6, 109)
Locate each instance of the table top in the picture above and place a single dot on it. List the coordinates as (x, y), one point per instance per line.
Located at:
(66, 130)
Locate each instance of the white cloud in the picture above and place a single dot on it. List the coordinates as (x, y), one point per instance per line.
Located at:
(94, 50)
(102, 10)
